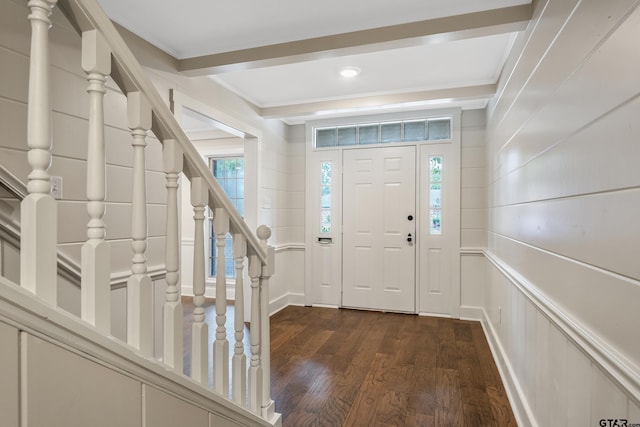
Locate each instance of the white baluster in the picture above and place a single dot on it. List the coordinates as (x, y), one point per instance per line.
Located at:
(172, 310)
(268, 405)
(221, 344)
(139, 288)
(239, 358)
(255, 370)
(96, 252)
(38, 240)
(199, 329)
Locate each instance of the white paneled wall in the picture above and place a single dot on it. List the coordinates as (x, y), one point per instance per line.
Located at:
(69, 124)
(563, 282)
(279, 198)
(473, 181)
(281, 202)
(70, 104)
(296, 140)
(288, 215)
(473, 212)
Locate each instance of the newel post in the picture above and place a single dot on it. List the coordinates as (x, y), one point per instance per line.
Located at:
(139, 288)
(96, 252)
(268, 405)
(39, 218)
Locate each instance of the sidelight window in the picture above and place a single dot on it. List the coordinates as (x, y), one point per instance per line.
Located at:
(435, 195)
(325, 197)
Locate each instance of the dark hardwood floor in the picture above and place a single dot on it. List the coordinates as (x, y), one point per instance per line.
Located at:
(357, 368)
(342, 367)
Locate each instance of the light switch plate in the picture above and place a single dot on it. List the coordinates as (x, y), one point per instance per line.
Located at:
(56, 187)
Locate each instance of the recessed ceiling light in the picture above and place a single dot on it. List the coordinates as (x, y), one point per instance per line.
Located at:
(349, 72)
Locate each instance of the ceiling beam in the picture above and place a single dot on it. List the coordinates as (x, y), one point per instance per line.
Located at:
(438, 30)
(451, 95)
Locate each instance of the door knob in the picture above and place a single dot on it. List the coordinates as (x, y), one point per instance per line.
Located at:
(409, 238)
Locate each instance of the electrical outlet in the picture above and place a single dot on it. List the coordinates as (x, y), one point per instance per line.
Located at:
(56, 187)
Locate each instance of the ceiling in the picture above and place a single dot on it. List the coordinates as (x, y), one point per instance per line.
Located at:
(284, 56)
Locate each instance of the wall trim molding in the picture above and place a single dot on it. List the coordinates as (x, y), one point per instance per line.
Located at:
(613, 363)
(12, 183)
(68, 268)
(472, 251)
(290, 247)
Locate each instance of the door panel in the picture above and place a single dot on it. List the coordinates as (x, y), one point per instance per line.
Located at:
(378, 196)
(439, 257)
(323, 235)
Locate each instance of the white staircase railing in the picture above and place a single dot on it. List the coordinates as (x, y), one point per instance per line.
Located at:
(105, 55)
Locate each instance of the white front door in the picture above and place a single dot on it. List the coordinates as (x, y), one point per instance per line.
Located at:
(379, 210)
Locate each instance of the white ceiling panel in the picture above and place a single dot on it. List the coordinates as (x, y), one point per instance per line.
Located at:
(267, 51)
(461, 63)
(188, 28)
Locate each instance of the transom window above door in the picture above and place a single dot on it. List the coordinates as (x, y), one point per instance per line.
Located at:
(415, 130)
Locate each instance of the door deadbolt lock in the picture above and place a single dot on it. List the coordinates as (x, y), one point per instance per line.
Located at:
(410, 217)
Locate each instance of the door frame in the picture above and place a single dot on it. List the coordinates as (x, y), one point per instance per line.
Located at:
(312, 195)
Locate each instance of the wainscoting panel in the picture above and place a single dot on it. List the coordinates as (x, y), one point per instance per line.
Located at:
(473, 278)
(597, 301)
(60, 388)
(556, 375)
(9, 377)
(56, 370)
(164, 410)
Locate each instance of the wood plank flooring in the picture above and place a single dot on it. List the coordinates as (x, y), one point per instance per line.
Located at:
(342, 367)
(357, 368)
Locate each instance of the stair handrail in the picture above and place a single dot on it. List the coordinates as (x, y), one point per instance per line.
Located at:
(105, 54)
(67, 266)
(11, 182)
(128, 74)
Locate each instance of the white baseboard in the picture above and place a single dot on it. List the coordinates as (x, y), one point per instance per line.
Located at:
(275, 305)
(325, 306)
(519, 405)
(425, 313)
(209, 292)
(284, 301)
(471, 313)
